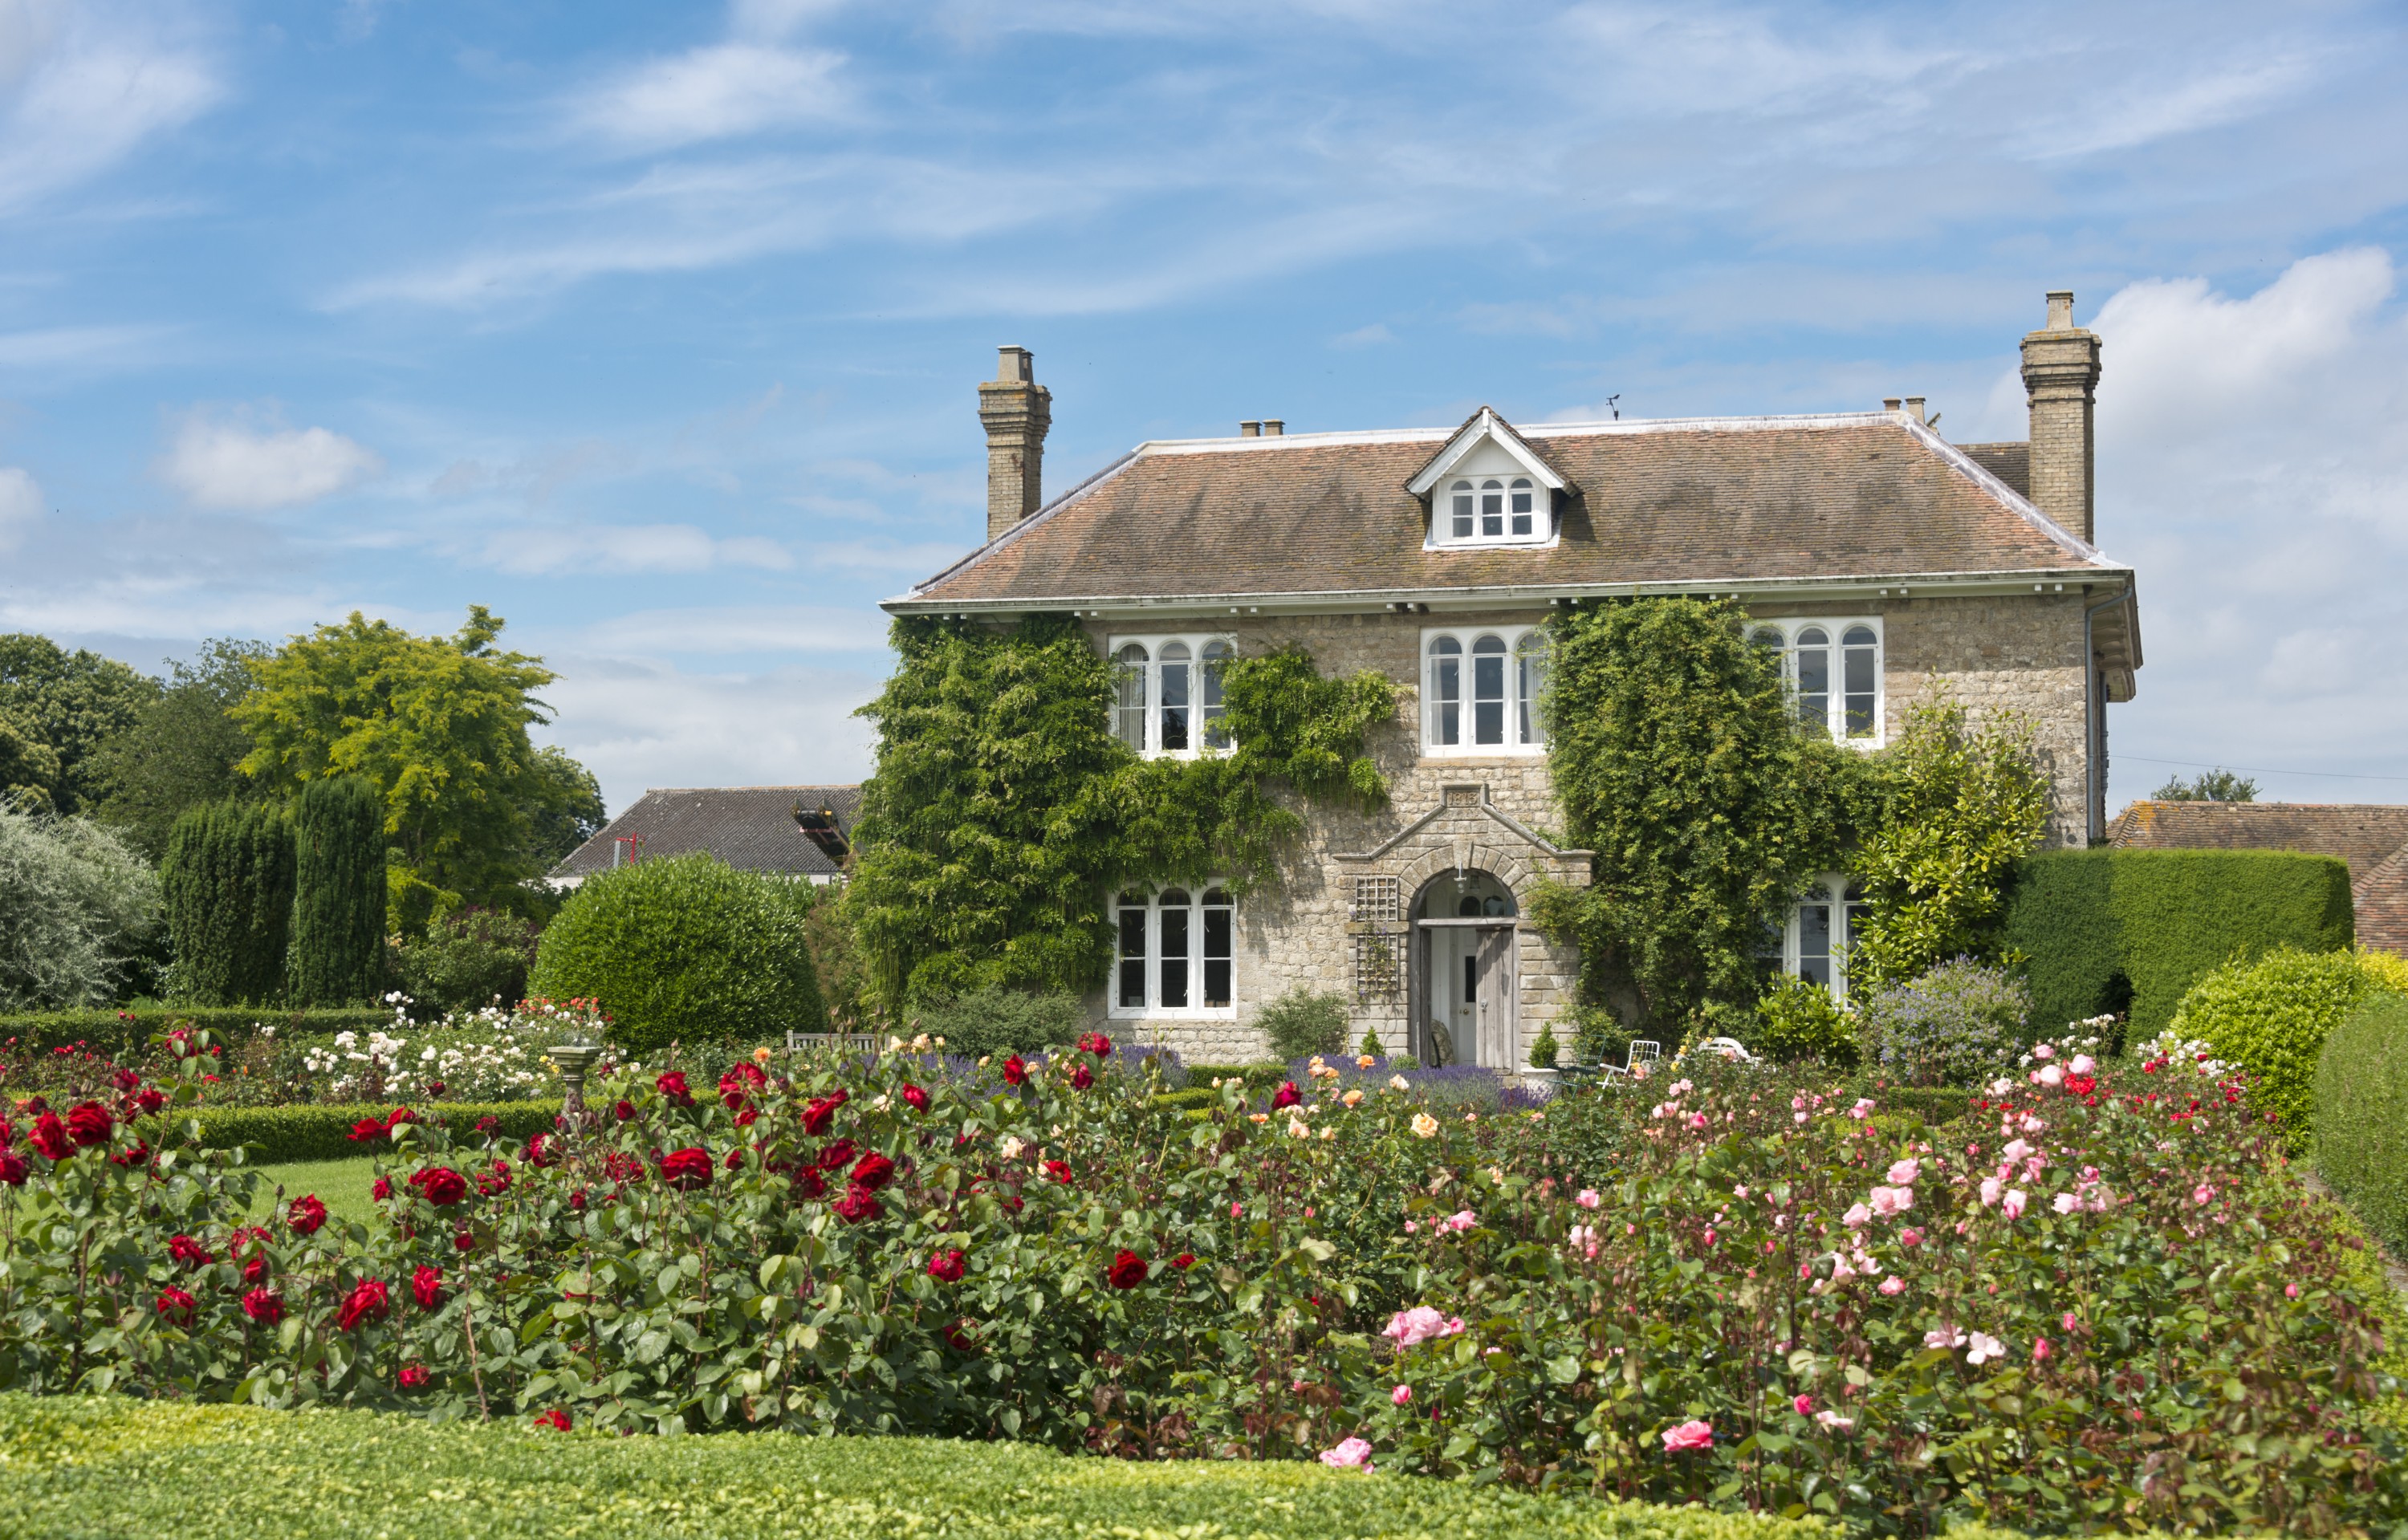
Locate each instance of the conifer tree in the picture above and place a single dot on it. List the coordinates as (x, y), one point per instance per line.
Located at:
(339, 900)
(229, 890)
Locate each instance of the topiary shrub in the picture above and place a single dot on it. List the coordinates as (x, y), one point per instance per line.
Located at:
(1543, 1050)
(1304, 1022)
(683, 947)
(1797, 1019)
(1002, 1020)
(2271, 1018)
(2361, 1113)
(1959, 1024)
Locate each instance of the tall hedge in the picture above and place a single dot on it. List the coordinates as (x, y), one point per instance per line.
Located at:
(2362, 1117)
(338, 951)
(228, 883)
(683, 947)
(2104, 929)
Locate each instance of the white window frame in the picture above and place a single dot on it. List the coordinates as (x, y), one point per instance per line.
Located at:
(1150, 682)
(1830, 889)
(1522, 689)
(1507, 488)
(1149, 910)
(1835, 650)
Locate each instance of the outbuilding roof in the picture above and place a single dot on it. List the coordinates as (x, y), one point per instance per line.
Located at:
(754, 828)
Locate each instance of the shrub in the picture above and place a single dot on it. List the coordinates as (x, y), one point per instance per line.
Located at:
(338, 894)
(469, 959)
(1002, 1020)
(1797, 1019)
(1304, 1022)
(323, 1132)
(124, 1033)
(2361, 1117)
(1957, 1025)
(683, 948)
(2269, 1018)
(1544, 1049)
(2104, 929)
(228, 883)
(76, 907)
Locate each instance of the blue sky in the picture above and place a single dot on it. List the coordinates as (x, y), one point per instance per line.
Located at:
(657, 328)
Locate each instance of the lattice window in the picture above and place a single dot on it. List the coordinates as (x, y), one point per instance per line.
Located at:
(1379, 966)
(1378, 901)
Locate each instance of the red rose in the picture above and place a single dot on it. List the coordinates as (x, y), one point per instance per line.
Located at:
(747, 1116)
(1059, 1171)
(440, 1185)
(1128, 1270)
(383, 1188)
(306, 1215)
(946, 1267)
(426, 1286)
(1083, 1078)
(488, 1124)
(49, 1136)
(1184, 1261)
(89, 1124)
(817, 1116)
(264, 1305)
(735, 1159)
(255, 1270)
(914, 1098)
(1096, 1044)
(413, 1376)
(176, 1306)
(370, 1301)
(149, 1099)
(873, 1172)
(624, 1110)
(577, 1201)
(541, 1151)
(13, 1169)
(464, 1241)
(673, 1085)
(809, 1183)
(2080, 1085)
(1286, 1097)
(686, 1169)
(496, 1181)
(369, 1131)
(838, 1155)
(139, 1153)
(738, 1084)
(1014, 1071)
(125, 1079)
(401, 1115)
(958, 1335)
(554, 1419)
(858, 1204)
(188, 1251)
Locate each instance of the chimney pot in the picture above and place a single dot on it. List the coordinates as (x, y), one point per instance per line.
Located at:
(1015, 411)
(1274, 427)
(1914, 407)
(2061, 382)
(1890, 405)
(1250, 429)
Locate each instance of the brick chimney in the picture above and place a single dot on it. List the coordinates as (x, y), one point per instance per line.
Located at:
(1016, 411)
(2061, 377)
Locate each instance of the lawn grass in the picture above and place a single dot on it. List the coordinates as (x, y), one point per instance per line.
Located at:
(342, 1186)
(76, 1466)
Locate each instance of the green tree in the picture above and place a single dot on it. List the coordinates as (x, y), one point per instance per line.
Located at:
(2216, 785)
(71, 703)
(183, 750)
(228, 881)
(29, 769)
(336, 956)
(1677, 758)
(1958, 806)
(75, 908)
(438, 725)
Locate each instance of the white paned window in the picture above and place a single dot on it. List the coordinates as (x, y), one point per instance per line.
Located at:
(1166, 694)
(1481, 691)
(1491, 507)
(1834, 671)
(1822, 926)
(1176, 953)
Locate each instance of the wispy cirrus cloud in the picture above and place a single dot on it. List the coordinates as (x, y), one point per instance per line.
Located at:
(83, 85)
(628, 551)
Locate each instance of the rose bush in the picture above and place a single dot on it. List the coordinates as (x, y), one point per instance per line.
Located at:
(2094, 1303)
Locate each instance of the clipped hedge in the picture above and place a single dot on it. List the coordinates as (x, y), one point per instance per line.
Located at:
(94, 1465)
(2361, 1119)
(2160, 920)
(323, 1132)
(119, 1034)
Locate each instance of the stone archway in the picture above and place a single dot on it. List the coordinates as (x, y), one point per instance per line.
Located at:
(1465, 962)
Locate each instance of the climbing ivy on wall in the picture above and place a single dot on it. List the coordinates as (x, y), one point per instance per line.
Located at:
(1003, 812)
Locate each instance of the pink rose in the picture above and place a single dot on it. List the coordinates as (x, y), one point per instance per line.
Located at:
(1588, 1198)
(1688, 1436)
(1893, 1285)
(2011, 1205)
(1420, 1324)
(1402, 1396)
(1351, 1454)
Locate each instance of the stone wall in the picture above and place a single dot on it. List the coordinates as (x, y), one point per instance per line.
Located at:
(1497, 813)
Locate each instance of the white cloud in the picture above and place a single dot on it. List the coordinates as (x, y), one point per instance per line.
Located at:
(721, 90)
(224, 462)
(83, 87)
(1364, 336)
(789, 628)
(629, 551)
(20, 506)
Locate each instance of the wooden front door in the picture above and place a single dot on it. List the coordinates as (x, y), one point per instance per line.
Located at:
(1498, 995)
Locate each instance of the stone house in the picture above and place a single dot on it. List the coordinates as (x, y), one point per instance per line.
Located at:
(1877, 557)
(2371, 837)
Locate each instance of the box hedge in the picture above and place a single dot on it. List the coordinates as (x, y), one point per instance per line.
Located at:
(95, 1465)
(2361, 1117)
(119, 1034)
(2110, 930)
(323, 1132)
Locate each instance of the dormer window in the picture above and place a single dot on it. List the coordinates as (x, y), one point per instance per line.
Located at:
(1494, 509)
(1488, 487)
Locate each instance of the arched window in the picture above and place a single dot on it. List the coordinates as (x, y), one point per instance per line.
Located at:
(1175, 701)
(1459, 495)
(1216, 657)
(1523, 500)
(1858, 677)
(1770, 639)
(1131, 991)
(1445, 691)
(1529, 688)
(1488, 690)
(1129, 709)
(1492, 509)
(1219, 951)
(1177, 916)
(1813, 676)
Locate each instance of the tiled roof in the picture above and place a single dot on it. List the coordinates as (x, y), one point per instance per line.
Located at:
(2365, 835)
(2010, 463)
(1695, 501)
(2381, 898)
(751, 827)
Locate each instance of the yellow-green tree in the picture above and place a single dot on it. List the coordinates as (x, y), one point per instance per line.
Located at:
(438, 726)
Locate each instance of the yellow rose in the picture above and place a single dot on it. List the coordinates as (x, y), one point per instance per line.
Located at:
(1425, 1126)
